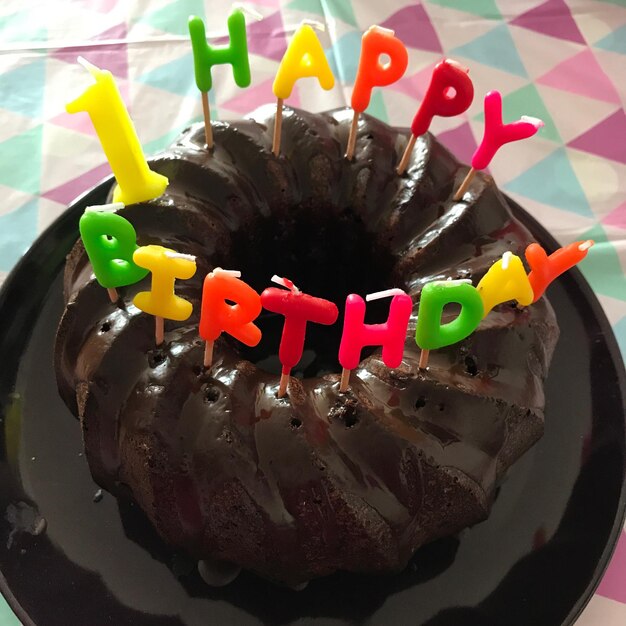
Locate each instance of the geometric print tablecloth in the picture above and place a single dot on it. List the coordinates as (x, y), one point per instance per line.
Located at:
(560, 60)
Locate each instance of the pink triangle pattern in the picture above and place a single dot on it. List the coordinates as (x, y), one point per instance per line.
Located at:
(66, 192)
(256, 96)
(460, 141)
(552, 18)
(617, 217)
(612, 585)
(415, 85)
(606, 139)
(265, 37)
(413, 26)
(111, 56)
(567, 77)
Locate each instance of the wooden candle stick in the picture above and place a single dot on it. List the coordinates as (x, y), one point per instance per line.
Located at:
(406, 157)
(423, 364)
(208, 353)
(352, 136)
(278, 124)
(208, 130)
(345, 380)
(113, 295)
(282, 387)
(464, 186)
(159, 330)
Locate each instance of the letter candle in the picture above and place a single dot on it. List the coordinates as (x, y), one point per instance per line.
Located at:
(298, 308)
(430, 333)
(506, 280)
(391, 335)
(218, 316)
(372, 73)
(304, 58)
(136, 182)
(544, 268)
(206, 56)
(496, 134)
(449, 93)
(166, 265)
(110, 242)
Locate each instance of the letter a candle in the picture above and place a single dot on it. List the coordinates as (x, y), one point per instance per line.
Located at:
(110, 242)
(304, 58)
(219, 316)
(391, 335)
(449, 93)
(206, 56)
(166, 265)
(298, 308)
(495, 136)
(136, 182)
(372, 73)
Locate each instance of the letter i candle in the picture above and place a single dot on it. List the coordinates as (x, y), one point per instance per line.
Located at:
(390, 335)
(298, 308)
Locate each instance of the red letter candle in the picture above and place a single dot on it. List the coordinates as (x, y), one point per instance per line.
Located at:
(298, 308)
(219, 316)
(544, 268)
(450, 93)
(357, 334)
(496, 135)
(372, 73)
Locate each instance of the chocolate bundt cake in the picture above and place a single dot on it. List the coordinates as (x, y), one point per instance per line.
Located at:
(297, 487)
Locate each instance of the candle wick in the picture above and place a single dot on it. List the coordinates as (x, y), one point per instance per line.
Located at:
(314, 24)
(585, 245)
(284, 282)
(247, 10)
(387, 293)
(105, 208)
(170, 254)
(219, 270)
(506, 258)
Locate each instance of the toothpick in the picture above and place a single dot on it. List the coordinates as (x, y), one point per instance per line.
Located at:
(460, 192)
(352, 136)
(406, 157)
(278, 123)
(208, 353)
(208, 129)
(159, 329)
(282, 387)
(423, 364)
(345, 380)
(113, 295)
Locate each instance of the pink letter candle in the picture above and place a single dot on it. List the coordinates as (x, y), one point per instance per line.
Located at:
(496, 135)
(391, 335)
(544, 268)
(449, 93)
(219, 316)
(298, 308)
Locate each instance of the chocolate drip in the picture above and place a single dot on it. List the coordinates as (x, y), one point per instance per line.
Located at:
(298, 487)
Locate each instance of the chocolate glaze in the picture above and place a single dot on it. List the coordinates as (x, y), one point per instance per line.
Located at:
(298, 487)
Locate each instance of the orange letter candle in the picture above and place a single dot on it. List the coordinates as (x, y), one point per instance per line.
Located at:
(218, 316)
(166, 265)
(544, 268)
(372, 73)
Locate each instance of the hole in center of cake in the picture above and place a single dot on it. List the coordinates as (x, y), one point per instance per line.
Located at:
(325, 253)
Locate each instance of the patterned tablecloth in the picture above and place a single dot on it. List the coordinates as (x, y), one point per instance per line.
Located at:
(562, 61)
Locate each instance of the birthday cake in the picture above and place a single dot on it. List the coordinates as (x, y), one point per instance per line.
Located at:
(297, 487)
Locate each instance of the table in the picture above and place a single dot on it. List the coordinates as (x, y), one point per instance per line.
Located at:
(560, 60)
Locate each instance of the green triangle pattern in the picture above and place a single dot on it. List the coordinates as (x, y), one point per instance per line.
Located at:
(338, 9)
(527, 101)
(173, 17)
(602, 267)
(20, 160)
(615, 41)
(554, 182)
(156, 145)
(22, 89)
(22, 26)
(17, 231)
(495, 48)
(484, 8)
(377, 106)
(176, 76)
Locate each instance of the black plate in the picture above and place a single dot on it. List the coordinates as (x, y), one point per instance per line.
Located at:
(535, 561)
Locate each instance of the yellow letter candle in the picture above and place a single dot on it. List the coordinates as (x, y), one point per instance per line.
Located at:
(506, 280)
(304, 58)
(166, 266)
(103, 102)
